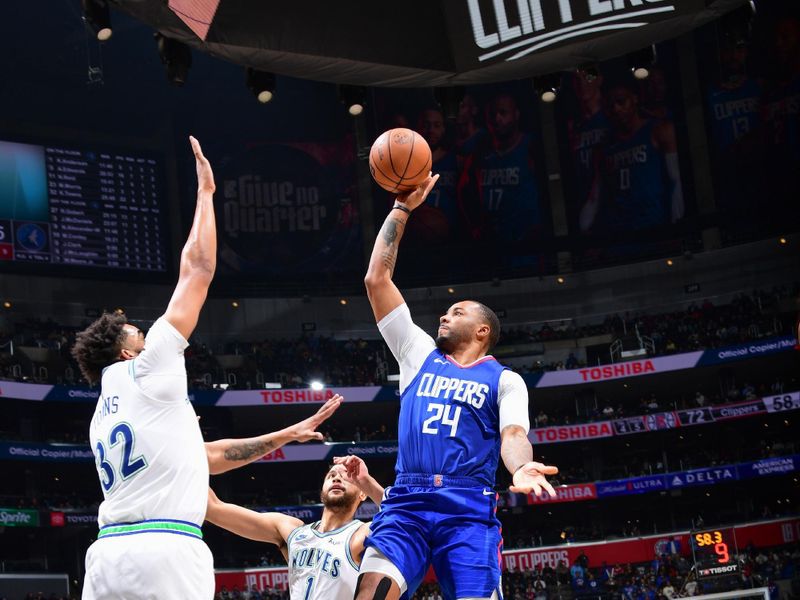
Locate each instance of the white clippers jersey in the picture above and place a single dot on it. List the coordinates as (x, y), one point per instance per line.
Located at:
(320, 564)
(146, 440)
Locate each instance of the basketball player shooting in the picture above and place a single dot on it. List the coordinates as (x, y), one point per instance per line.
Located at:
(149, 451)
(324, 556)
(460, 411)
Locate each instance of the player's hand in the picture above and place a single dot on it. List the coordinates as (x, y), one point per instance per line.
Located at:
(414, 198)
(531, 478)
(205, 176)
(306, 430)
(356, 468)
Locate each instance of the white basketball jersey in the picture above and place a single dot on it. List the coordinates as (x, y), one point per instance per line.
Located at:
(320, 564)
(146, 439)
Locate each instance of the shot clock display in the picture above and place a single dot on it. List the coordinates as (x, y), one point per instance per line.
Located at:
(715, 552)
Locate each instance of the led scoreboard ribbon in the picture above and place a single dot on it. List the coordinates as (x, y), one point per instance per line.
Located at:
(714, 552)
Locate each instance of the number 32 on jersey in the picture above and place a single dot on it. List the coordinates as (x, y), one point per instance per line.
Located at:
(121, 433)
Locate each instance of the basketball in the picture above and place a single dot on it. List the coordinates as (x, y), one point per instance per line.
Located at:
(400, 160)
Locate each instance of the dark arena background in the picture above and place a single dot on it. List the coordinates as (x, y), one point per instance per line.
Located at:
(647, 284)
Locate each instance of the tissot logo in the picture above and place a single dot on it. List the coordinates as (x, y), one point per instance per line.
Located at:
(511, 29)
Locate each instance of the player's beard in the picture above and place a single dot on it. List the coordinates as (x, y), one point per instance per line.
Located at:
(345, 500)
(447, 343)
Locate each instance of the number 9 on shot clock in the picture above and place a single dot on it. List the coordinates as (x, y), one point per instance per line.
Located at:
(715, 552)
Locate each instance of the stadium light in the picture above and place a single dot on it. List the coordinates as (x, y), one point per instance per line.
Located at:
(317, 385)
(97, 18)
(449, 99)
(641, 61)
(354, 97)
(547, 87)
(176, 57)
(261, 83)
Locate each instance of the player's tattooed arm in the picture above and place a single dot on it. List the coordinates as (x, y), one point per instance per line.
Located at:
(382, 292)
(228, 454)
(244, 449)
(391, 232)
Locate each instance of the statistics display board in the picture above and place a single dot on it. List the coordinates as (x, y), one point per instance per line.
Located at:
(82, 207)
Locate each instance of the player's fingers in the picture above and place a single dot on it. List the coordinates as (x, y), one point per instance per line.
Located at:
(431, 182)
(195, 146)
(537, 489)
(317, 436)
(544, 469)
(328, 408)
(339, 460)
(549, 488)
(519, 490)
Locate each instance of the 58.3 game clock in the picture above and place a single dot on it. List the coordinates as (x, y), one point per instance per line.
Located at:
(715, 552)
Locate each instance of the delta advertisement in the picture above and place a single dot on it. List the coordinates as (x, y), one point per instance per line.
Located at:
(281, 397)
(707, 476)
(580, 492)
(636, 550)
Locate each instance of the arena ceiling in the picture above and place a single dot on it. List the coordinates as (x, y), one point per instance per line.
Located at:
(419, 43)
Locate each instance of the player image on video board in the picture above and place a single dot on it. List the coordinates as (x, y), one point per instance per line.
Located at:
(621, 164)
(751, 68)
(488, 156)
(503, 197)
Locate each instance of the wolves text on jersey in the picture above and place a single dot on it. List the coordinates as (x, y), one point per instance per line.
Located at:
(308, 557)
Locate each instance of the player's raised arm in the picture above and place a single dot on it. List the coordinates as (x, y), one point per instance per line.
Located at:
(273, 528)
(228, 454)
(382, 292)
(199, 255)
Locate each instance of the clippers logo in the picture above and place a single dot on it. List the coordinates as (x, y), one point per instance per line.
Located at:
(512, 29)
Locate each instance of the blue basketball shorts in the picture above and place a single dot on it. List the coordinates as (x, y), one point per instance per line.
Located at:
(455, 529)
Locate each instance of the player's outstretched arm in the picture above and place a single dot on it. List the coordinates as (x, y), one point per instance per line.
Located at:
(517, 452)
(358, 473)
(199, 255)
(382, 292)
(228, 454)
(273, 528)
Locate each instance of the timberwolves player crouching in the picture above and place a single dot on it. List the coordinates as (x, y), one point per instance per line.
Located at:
(324, 556)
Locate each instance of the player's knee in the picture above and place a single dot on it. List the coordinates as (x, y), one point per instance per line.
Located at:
(373, 586)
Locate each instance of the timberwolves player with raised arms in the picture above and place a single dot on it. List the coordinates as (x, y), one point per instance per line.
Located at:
(149, 451)
(460, 411)
(323, 556)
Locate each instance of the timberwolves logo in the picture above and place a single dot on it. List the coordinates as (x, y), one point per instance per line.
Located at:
(31, 237)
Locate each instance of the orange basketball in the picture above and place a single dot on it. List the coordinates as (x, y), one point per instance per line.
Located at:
(400, 160)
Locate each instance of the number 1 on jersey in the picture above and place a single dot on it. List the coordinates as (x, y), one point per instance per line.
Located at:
(309, 587)
(441, 412)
